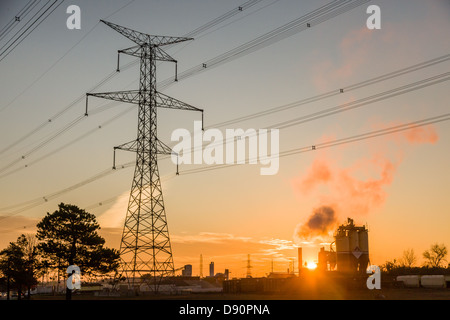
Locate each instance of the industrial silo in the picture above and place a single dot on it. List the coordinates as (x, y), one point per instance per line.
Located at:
(352, 248)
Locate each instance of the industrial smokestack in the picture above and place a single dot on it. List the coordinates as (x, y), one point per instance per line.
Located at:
(211, 269)
(300, 260)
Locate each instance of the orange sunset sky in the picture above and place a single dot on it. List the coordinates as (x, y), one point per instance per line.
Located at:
(396, 184)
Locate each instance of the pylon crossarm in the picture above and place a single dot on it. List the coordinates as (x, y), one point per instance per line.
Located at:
(161, 55)
(135, 36)
(130, 96)
(158, 41)
(162, 148)
(134, 51)
(129, 146)
(144, 39)
(164, 101)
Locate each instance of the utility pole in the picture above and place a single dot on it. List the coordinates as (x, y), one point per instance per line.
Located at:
(201, 266)
(145, 249)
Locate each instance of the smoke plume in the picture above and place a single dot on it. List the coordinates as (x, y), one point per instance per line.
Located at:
(318, 224)
(353, 190)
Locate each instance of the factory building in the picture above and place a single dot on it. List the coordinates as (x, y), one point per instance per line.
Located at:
(187, 271)
(352, 248)
(350, 253)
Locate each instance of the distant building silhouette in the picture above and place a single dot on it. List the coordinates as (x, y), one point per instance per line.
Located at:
(211, 269)
(187, 271)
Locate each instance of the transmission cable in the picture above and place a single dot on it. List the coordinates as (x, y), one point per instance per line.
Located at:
(17, 18)
(309, 148)
(336, 142)
(313, 116)
(225, 57)
(338, 91)
(302, 23)
(3, 56)
(348, 106)
(210, 24)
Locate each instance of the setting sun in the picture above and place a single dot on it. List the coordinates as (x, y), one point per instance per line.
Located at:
(311, 265)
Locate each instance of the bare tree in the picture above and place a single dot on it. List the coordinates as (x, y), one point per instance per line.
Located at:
(409, 258)
(435, 255)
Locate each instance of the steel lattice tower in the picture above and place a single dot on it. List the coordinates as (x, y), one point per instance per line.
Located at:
(145, 248)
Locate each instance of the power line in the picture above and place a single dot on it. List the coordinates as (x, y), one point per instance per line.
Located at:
(82, 97)
(44, 124)
(36, 21)
(338, 91)
(359, 103)
(63, 56)
(234, 21)
(120, 9)
(14, 37)
(88, 207)
(48, 69)
(208, 25)
(330, 111)
(222, 18)
(68, 144)
(302, 23)
(18, 18)
(445, 119)
(365, 101)
(37, 201)
(354, 104)
(326, 12)
(24, 206)
(197, 31)
(43, 143)
(337, 142)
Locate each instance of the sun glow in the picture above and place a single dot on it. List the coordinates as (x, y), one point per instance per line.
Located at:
(311, 265)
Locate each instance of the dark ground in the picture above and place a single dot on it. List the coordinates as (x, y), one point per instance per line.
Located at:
(382, 294)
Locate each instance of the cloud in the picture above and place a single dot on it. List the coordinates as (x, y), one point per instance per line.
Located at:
(231, 251)
(208, 237)
(276, 248)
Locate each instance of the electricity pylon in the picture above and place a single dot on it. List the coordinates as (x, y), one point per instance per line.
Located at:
(249, 267)
(145, 249)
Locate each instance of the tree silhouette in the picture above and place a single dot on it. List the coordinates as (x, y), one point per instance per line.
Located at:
(435, 255)
(69, 237)
(19, 264)
(409, 258)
